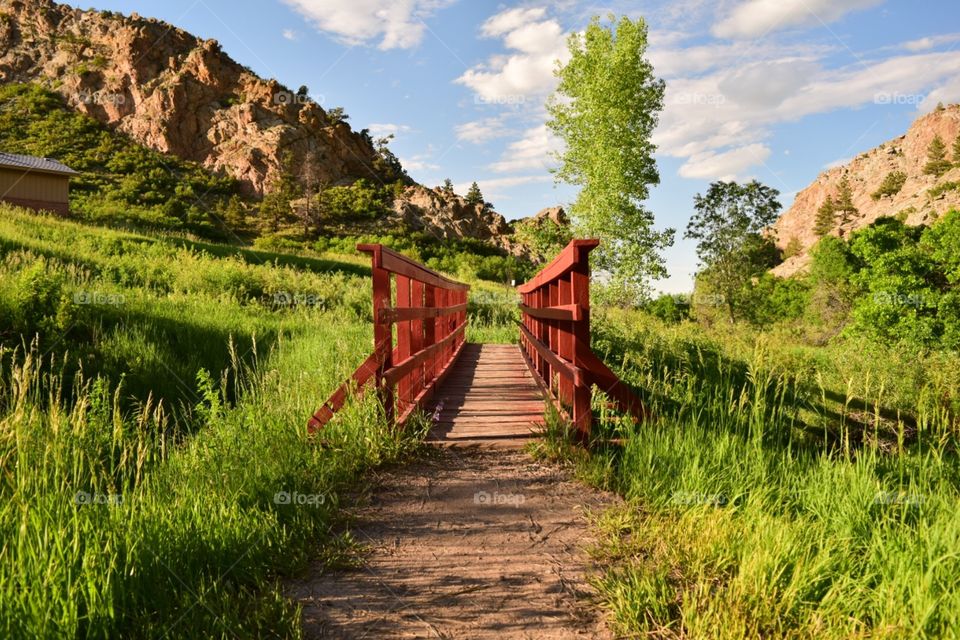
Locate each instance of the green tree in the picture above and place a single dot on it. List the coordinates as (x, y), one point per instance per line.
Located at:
(473, 194)
(447, 187)
(544, 236)
(234, 213)
(275, 208)
(844, 205)
(956, 151)
(605, 109)
(826, 218)
(937, 163)
(729, 226)
(891, 185)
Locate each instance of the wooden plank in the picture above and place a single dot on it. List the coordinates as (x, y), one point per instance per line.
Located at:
(560, 366)
(395, 373)
(561, 264)
(394, 262)
(401, 314)
(561, 311)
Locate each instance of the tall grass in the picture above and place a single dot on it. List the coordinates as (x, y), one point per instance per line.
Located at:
(157, 480)
(770, 499)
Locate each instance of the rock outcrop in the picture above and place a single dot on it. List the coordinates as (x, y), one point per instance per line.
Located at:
(920, 200)
(448, 216)
(176, 93)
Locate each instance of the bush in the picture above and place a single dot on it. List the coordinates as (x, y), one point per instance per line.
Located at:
(891, 185)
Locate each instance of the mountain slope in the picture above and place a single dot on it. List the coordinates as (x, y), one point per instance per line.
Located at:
(921, 199)
(178, 94)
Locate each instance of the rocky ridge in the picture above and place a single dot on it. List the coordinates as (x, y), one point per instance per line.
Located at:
(921, 199)
(182, 95)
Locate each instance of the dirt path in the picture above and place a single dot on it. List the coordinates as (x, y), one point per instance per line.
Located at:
(464, 545)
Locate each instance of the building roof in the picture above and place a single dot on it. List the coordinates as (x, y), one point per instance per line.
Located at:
(32, 163)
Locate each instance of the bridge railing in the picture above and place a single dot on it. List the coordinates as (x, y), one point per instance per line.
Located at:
(555, 339)
(429, 312)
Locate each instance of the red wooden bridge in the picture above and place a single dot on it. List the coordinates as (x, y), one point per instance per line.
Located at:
(486, 395)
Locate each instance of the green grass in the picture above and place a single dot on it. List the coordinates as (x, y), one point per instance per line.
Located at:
(782, 491)
(153, 397)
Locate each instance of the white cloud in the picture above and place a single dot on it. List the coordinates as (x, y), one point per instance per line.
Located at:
(481, 131)
(290, 34)
(397, 24)
(727, 165)
(506, 21)
(532, 151)
(537, 44)
(755, 18)
(494, 186)
(385, 129)
(925, 44)
(419, 163)
(736, 107)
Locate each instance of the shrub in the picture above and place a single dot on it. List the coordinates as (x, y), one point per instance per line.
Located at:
(891, 185)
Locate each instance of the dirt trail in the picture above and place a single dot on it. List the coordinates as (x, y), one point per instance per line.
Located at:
(464, 545)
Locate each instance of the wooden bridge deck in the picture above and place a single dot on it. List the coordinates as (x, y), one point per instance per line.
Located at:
(489, 399)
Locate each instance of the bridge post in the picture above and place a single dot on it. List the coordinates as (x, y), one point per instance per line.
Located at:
(382, 333)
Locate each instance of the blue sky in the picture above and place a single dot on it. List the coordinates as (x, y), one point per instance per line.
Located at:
(770, 89)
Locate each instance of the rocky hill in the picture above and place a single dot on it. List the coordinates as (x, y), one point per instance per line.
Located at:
(175, 93)
(920, 199)
(178, 94)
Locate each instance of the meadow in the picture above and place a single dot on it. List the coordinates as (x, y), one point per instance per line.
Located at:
(157, 476)
(158, 480)
(782, 490)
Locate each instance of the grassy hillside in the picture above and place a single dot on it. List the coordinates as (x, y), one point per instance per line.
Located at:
(783, 490)
(114, 348)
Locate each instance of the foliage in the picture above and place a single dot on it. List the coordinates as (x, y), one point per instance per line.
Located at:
(891, 185)
(729, 225)
(895, 283)
(464, 259)
(473, 194)
(543, 236)
(844, 204)
(120, 182)
(361, 200)
(937, 163)
(605, 109)
(826, 217)
(794, 247)
(943, 187)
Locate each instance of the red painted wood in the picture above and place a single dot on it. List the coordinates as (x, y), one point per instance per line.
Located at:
(430, 314)
(555, 339)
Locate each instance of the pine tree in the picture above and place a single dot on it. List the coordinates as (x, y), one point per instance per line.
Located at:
(448, 186)
(826, 218)
(937, 163)
(844, 203)
(473, 195)
(956, 151)
(234, 214)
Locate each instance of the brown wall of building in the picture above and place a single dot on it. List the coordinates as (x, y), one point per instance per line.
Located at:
(35, 190)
